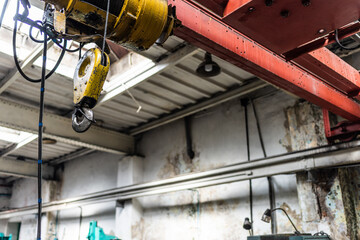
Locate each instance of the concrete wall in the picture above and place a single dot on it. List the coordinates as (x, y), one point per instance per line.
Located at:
(5, 194)
(218, 135)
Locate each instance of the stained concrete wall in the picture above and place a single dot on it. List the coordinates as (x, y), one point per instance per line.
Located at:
(218, 135)
(5, 194)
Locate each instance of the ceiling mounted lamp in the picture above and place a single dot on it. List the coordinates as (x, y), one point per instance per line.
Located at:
(266, 217)
(208, 68)
(49, 141)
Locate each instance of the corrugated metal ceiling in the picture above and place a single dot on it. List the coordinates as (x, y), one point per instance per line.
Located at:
(172, 89)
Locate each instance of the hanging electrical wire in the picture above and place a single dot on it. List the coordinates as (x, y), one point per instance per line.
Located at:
(16, 60)
(70, 50)
(103, 58)
(42, 26)
(341, 45)
(40, 134)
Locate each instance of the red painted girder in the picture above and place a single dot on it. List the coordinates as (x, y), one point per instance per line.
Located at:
(288, 24)
(214, 36)
(343, 32)
(216, 6)
(332, 69)
(344, 131)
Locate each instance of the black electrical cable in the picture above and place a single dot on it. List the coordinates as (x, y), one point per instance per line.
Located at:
(17, 64)
(40, 135)
(31, 35)
(340, 44)
(103, 58)
(80, 50)
(245, 103)
(69, 50)
(270, 183)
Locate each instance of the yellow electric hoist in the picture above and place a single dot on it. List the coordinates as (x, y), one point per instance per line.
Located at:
(134, 24)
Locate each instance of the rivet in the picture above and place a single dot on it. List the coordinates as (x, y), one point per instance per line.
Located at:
(285, 13)
(268, 3)
(306, 3)
(251, 9)
(321, 31)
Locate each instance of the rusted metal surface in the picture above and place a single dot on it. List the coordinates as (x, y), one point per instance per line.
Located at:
(205, 31)
(282, 25)
(343, 32)
(216, 6)
(343, 132)
(332, 69)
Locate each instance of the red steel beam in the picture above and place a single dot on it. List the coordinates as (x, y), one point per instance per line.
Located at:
(332, 69)
(343, 32)
(209, 33)
(216, 6)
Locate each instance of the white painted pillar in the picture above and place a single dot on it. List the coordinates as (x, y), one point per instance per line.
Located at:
(129, 213)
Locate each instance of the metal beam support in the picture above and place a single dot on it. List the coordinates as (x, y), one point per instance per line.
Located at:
(59, 128)
(70, 156)
(23, 169)
(16, 146)
(208, 103)
(209, 33)
(146, 72)
(332, 69)
(345, 154)
(14, 74)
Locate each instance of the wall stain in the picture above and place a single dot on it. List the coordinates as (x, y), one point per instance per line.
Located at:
(331, 204)
(137, 230)
(179, 163)
(347, 179)
(304, 127)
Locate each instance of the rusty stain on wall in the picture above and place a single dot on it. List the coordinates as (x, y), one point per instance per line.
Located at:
(304, 126)
(348, 181)
(137, 230)
(327, 189)
(307, 199)
(179, 163)
(295, 217)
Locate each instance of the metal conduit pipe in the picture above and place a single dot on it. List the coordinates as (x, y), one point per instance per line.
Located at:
(345, 154)
(270, 182)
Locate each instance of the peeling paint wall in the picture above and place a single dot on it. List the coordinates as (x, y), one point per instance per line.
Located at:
(305, 127)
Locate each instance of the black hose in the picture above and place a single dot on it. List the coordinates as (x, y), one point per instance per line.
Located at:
(340, 44)
(40, 133)
(31, 35)
(17, 64)
(69, 50)
(103, 58)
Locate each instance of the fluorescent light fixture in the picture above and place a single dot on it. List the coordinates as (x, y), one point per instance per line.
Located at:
(13, 136)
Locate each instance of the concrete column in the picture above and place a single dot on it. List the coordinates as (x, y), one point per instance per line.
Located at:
(3, 225)
(129, 221)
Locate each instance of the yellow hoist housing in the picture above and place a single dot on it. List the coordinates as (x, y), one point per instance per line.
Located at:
(89, 77)
(134, 24)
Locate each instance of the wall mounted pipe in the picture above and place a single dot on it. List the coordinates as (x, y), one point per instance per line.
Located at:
(340, 155)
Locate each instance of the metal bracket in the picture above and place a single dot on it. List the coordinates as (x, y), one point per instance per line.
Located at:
(344, 131)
